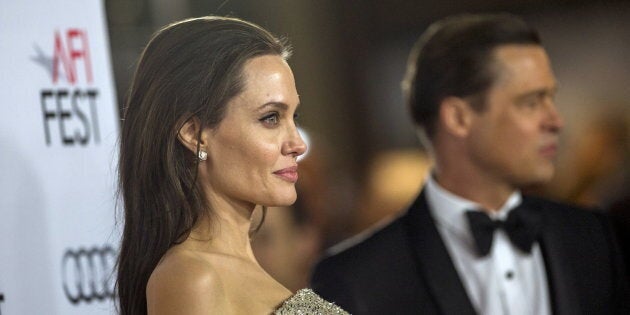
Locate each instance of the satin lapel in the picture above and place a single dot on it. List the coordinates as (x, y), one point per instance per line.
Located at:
(561, 282)
(434, 262)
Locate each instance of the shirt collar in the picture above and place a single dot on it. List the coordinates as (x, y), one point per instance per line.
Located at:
(449, 209)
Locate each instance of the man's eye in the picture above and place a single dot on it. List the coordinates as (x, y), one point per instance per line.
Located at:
(533, 103)
(530, 102)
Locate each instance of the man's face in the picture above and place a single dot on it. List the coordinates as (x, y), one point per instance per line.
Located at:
(514, 139)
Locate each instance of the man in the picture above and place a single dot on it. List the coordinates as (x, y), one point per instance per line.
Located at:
(480, 89)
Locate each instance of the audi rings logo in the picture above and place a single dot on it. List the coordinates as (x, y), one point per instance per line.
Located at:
(87, 274)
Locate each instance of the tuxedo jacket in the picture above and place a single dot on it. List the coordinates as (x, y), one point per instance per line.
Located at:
(403, 267)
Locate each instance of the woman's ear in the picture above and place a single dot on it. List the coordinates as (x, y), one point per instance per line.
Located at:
(456, 116)
(190, 136)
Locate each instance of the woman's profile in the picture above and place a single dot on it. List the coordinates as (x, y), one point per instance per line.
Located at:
(208, 135)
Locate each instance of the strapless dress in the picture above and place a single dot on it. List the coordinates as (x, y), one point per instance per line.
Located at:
(307, 302)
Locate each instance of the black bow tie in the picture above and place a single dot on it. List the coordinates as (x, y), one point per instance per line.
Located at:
(522, 227)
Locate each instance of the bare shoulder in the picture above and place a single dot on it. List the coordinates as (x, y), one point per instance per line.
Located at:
(185, 283)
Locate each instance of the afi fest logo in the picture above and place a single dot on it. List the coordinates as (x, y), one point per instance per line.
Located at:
(70, 108)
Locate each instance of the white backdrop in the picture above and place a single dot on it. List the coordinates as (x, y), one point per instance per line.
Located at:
(58, 131)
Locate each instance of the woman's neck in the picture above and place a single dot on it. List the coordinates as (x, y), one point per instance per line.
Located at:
(225, 230)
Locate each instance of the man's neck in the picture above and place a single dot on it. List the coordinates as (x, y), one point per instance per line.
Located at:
(491, 195)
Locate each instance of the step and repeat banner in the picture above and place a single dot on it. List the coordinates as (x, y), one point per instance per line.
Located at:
(58, 135)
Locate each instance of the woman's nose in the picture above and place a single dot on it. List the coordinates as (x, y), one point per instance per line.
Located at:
(295, 145)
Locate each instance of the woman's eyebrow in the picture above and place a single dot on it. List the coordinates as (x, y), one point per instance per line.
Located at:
(278, 105)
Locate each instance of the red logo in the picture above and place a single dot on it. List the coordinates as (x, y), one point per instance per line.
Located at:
(71, 51)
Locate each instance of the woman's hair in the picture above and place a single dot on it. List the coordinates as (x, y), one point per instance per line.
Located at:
(189, 69)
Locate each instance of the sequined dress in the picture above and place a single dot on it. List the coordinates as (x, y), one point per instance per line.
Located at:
(307, 302)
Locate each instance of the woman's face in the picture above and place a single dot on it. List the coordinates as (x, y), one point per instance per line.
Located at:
(252, 152)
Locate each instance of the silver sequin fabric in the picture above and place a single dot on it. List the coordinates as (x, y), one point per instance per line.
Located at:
(307, 302)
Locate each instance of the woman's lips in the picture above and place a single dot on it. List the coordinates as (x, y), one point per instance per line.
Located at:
(289, 174)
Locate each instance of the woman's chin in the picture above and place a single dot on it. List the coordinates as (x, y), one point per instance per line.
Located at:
(283, 200)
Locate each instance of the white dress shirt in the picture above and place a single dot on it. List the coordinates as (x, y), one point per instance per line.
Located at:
(505, 282)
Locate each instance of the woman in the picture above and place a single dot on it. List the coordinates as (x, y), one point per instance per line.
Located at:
(208, 135)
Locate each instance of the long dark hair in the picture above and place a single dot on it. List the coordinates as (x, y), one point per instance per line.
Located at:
(189, 69)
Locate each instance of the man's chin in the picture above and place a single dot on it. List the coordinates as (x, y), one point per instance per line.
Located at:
(536, 184)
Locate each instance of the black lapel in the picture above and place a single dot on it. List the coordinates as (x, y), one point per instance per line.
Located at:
(561, 283)
(434, 262)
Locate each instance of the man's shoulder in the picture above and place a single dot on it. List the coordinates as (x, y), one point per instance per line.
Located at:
(389, 233)
(556, 205)
(565, 212)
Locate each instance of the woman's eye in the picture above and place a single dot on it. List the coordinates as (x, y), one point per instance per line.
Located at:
(296, 118)
(271, 119)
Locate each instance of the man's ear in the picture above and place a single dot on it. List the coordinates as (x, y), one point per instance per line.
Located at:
(190, 136)
(456, 116)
